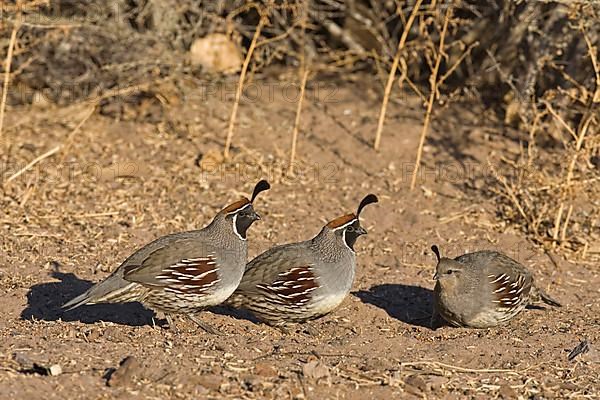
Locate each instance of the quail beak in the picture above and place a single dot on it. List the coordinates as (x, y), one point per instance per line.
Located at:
(361, 231)
(254, 216)
(435, 276)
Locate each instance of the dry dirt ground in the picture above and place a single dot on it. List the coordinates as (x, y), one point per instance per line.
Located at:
(136, 172)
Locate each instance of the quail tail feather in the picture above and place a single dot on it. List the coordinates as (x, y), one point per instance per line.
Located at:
(113, 289)
(539, 295)
(549, 300)
(236, 300)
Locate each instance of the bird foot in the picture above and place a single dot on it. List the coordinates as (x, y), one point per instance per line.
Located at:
(285, 329)
(166, 323)
(310, 330)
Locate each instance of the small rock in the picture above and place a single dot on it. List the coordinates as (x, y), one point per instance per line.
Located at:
(40, 100)
(210, 161)
(568, 386)
(55, 370)
(92, 335)
(210, 381)
(478, 183)
(315, 370)
(428, 193)
(127, 371)
(216, 52)
(25, 363)
(506, 392)
(201, 391)
(436, 383)
(415, 384)
(295, 393)
(266, 370)
(251, 383)
(114, 334)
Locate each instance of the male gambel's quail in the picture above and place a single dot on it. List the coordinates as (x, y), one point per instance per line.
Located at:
(483, 289)
(301, 281)
(182, 273)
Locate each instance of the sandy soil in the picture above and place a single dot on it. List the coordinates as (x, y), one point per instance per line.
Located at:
(133, 174)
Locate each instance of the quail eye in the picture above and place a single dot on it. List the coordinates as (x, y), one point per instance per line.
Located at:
(350, 229)
(449, 272)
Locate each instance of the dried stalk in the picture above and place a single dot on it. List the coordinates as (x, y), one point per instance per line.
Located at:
(297, 122)
(392, 74)
(7, 64)
(433, 83)
(238, 93)
(31, 164)
(69, 141)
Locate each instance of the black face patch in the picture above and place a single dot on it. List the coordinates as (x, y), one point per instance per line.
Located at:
(351, 232)
(243, 219)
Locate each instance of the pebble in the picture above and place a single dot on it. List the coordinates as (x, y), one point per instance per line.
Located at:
(55, 370)
(209, 381)
(25, 363)
(265, 369)
(315, 370)
(127, 371)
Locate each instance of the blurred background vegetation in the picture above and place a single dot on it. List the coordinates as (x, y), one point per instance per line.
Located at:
(534, 64)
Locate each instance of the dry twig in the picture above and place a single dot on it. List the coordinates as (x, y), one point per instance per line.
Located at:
(7, 65)
(31, 164)
(297, 122)
(238, 94)
(433, 82)
(392, 74)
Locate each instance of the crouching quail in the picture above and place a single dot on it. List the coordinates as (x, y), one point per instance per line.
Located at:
(483, 289)
(182, 273)
(301, 281)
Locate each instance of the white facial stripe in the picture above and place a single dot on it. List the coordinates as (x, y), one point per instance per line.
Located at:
(346, 224)
(235, 227)
(239, 209)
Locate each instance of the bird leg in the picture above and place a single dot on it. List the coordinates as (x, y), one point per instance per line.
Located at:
(171, 324)
(434, 323)
(204, 326)
(310, 330)
(286, 329)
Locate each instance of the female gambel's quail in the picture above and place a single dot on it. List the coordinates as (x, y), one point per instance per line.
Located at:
(301, 281)
(483, 289)
(182, 273)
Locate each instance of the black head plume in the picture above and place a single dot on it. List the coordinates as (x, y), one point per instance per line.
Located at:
(260, 187)
(369, 199)
(436, 251)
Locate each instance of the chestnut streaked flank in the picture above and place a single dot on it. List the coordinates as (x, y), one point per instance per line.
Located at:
(183, 273)
(483, 289)
(297, 282)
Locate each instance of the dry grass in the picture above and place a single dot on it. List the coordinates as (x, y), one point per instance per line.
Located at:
(297, 122)
(433, 83)
(7, 66)
(392, 73)
(523, 61)
(240, 86)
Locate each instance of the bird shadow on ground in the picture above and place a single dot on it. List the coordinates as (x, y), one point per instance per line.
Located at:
(44, 302)
(409, 304)
(235, 313)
